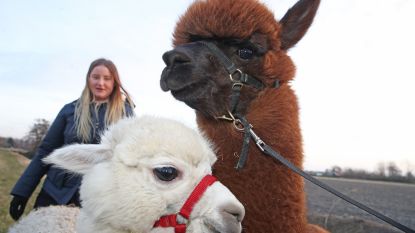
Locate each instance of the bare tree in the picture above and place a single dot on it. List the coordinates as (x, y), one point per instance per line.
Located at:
(36, 134)
(10, 142)
(393, 170)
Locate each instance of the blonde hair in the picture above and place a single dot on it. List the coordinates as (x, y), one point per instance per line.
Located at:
(115, 108)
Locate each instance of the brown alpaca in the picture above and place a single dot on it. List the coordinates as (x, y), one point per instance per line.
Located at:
(248, 34)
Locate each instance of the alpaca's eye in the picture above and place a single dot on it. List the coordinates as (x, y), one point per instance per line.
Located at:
(165, 173)
(245, 53)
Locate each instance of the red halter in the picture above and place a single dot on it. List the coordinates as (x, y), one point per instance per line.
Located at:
(171, 220)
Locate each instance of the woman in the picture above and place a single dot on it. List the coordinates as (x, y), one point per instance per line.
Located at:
(103, 102)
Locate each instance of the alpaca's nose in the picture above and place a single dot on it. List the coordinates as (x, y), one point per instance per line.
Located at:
(233, 211)
(175, 57)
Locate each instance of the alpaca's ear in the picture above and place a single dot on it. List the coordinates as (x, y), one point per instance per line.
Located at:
(296, 22)
(79, 158)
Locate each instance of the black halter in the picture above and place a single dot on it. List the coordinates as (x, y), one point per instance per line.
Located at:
(231, 68)
(242, 124)
(238, 78)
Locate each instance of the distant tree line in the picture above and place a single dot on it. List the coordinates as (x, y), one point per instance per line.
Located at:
(384, 172)
(30, 142)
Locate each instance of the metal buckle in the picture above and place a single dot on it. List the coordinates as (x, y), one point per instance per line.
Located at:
(236, 71)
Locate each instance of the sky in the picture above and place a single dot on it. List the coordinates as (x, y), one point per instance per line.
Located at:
(355, 70)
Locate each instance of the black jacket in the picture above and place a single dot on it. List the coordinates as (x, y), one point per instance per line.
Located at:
(58, 183)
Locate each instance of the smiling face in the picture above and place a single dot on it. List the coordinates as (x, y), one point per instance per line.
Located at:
(101, 83)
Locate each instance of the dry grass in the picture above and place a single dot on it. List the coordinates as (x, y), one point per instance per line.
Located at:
(11, 167)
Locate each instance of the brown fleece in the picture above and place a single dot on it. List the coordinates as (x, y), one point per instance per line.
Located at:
(273, 196)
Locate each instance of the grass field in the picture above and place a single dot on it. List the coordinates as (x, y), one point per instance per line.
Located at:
(11, 167)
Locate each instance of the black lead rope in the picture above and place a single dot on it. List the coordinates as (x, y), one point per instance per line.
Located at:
(269, 151)
(241, 121)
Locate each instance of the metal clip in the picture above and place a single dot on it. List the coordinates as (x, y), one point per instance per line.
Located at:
(257, 139)
(224, 117)
(230, 117)
(236, 122)
(238, 125)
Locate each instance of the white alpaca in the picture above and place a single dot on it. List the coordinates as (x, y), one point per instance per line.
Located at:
(144, 168)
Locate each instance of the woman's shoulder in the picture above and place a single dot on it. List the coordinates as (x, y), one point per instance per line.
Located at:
(69, 107)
